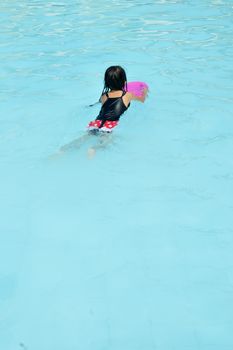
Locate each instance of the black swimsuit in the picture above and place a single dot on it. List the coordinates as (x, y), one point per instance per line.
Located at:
(110, 113)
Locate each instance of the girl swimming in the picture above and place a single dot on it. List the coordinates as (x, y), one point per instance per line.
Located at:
(115, 100)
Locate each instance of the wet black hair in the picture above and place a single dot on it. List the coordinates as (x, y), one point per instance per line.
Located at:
(114, 79)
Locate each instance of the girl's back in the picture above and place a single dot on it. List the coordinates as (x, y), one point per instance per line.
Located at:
(114, 104)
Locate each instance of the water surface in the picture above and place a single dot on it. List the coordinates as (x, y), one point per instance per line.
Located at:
(132, 249)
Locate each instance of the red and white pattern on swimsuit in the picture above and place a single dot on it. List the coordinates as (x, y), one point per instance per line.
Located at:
(107, 127)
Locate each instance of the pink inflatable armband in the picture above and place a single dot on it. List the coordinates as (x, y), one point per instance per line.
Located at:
(136, 88)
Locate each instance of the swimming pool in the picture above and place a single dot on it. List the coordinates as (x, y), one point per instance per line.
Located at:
(132, 249)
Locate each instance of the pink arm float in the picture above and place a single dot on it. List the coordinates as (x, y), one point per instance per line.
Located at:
(137, 88)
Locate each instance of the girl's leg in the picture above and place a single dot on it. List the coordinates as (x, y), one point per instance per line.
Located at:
(71, 146)
(75, 144)
(104, 140)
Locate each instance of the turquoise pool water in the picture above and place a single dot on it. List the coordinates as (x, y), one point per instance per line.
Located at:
(132, 249)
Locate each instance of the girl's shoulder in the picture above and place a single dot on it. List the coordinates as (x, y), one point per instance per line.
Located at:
(116, 94)
(127, 97)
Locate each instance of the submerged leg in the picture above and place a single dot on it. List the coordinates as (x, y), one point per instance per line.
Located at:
(75, 144)
(104, 140)
(71, 146)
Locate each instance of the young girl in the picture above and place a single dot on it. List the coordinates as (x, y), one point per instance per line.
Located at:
(115, 101)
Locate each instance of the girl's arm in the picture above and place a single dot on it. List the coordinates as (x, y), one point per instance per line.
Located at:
(102, 99)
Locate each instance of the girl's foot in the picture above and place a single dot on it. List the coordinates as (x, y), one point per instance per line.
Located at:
(91, 153)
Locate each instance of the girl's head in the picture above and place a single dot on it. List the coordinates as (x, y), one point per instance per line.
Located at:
(114, 79)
